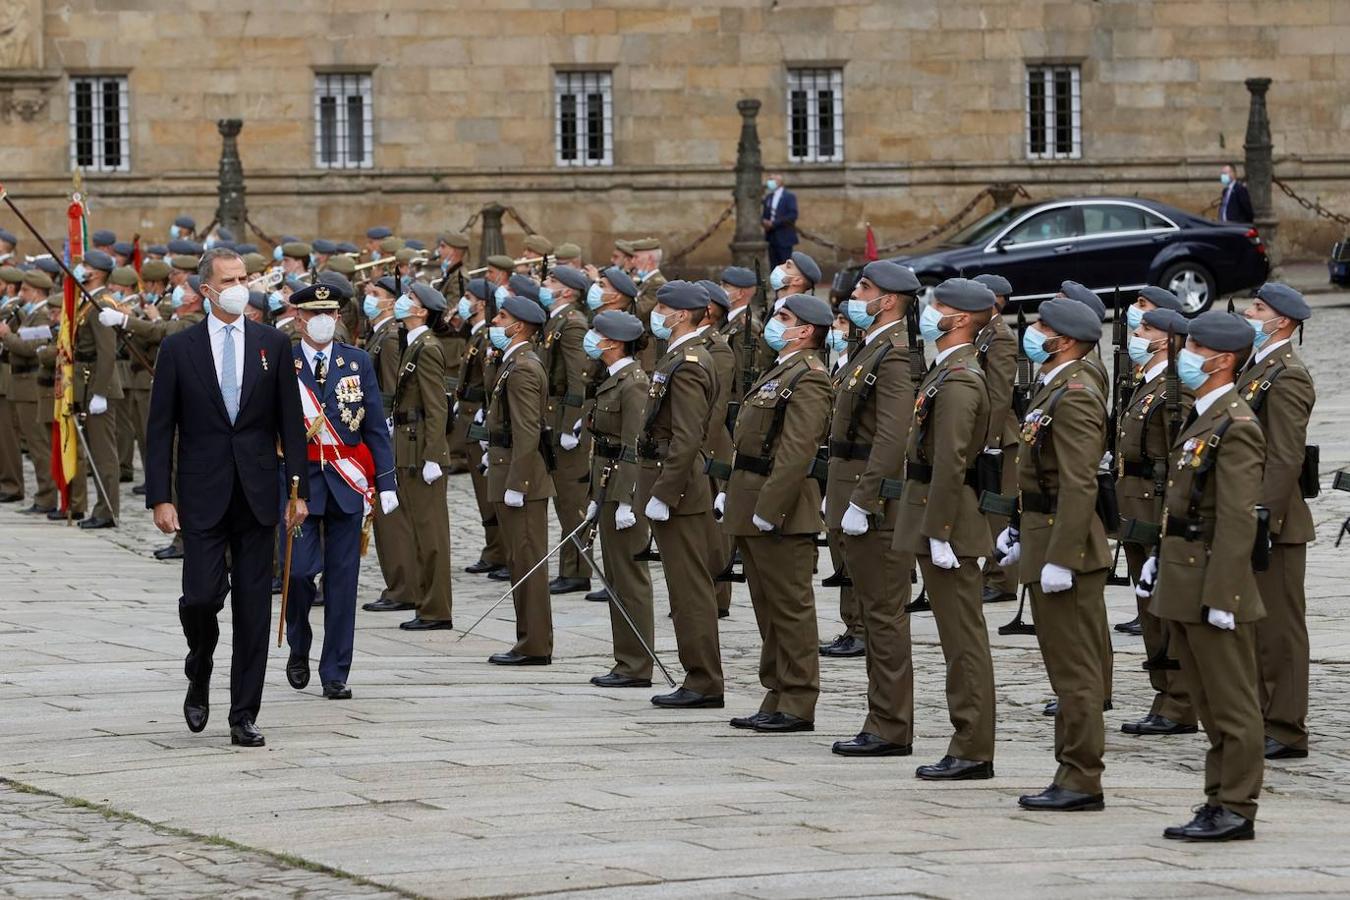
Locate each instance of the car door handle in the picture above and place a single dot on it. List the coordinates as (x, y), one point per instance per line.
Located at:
(1064, 248)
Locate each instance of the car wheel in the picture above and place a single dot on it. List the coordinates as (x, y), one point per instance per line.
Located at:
(1192, 284)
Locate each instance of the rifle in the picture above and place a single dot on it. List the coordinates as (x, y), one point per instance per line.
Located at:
(749, 350)
(1122, 368)
(917, 366)
(1026, 377)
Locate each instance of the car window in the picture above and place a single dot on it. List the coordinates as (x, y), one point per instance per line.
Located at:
(1106, 218)
(984, 228)
(1051, 225)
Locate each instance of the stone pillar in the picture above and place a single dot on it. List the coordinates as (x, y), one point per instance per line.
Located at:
(1258, 167)
(230, 212)
(492, 242)
(748, 244)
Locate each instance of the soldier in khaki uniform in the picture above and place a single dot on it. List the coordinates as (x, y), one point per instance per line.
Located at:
(1278, 388)
(1205, 588)
(646, 271)
(615, 289)
(615, 425)
(518, 477)
(1062, 545)
(753, 356)
(773, 511)
(673, 489)
(849, 643)
(798, 274)
(122, 284)
(154, 278)
(868, 433)
(996, 353)
(421, 452)
(96, 385)
(940, 521)
(452, 247)
(11, 455)
(24, 393)
(719, 448)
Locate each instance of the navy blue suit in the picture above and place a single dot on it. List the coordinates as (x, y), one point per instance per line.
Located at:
(226, 478)
(1235, 204)
(782, 232)
(330, 539)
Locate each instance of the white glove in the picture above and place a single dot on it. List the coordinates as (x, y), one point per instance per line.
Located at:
(1008, 546)
(993, 451)
(1105, 464)
(483, 445)
(430, 471)
(576, 429)
(111, 318)
(657, 510)
(1148, 578)
(1055, 579)
(478, 419)
(568, 441)
(1221, 618)
(720, 505)
(823, 504)
(624, 517)
(454, 410)
(98, 405)
(944, 557)
(592, 510)
(514, 499)
(855, 521)
(762, 524)
(389, 423)
(388, 502)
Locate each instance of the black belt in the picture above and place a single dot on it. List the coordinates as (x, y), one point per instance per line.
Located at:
(499, 439)
(760, 465)
(608, 449)
(1190, 529)
(1137, 468)
(850, 449)
(474, 394)
(1039, 503)
(409, 418)
(649, 449)
(923, 473)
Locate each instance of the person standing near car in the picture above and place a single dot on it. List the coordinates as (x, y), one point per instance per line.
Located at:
(1235, 204)
(779, 219)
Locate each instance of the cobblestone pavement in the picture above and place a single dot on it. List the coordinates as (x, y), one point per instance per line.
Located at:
(447, 777)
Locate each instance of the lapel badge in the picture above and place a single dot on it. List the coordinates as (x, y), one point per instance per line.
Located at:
(353, 364)
(341, 362)
(262, 355)
(297, 365)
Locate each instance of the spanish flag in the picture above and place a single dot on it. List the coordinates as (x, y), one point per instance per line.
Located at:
(65, 442)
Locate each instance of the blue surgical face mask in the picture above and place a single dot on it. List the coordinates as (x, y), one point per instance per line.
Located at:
(1191, 368)
(206, 305)
(774, 334)
(660, 330)
(836, 341)
(151, 297)
(1140, 353)
(595, 296)
(28, 308)
(1261, 336)
(370, 305)
(591, 344)
(771, 184)
(545, 297)
(80, 272)
(276, 253)
(403, 307)
(857, 313)
(465, 309)
(778, 278)
(176, 298)
(1033, 345)
(174, 232)
(640, 274)
(1134, 317)
(930, 321)
(275, 301)
(501, 294)
(1225, 178)
(498, 336)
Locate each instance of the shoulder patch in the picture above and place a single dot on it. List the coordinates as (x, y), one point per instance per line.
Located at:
(1076, 386)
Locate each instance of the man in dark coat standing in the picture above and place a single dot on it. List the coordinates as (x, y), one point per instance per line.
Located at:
(779, 219)
(1235, 204)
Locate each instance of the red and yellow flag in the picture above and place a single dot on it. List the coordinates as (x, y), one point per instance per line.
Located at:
(65, 442)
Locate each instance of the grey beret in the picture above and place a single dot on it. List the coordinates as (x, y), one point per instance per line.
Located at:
(1284, 300)
(257, 300)
(1077, 292)
(224, 234)
(379, 233)
(807, 266)
(478, 287)
(891, 277)
(8, 237)
(338, 282)
(811, 310)
(183, 247)
(226, 245)
(1072, 319)
(326, 247)
(523, 286)
(431, 298)
(715, 293)
(194, 283)
(186, 222)
(157, 250)
(97, 259)
(617, 325)
(347, 247)
(738, 276)
(682, 295)
(996, 283)
(102, 237)
(1160, 297)
(1166, 320)
(1220, 330)
(965, 294)
(242, 249)
(415, 244)
(573, 278)
(48, 265)
(388, 283)
(123, 248)
(620, 280)
(525, 310)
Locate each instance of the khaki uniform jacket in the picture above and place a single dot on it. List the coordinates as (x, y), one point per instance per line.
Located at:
(882, 424)
(1215, 570)
(471, 395)
(1283, 415)
(517, 407)
(419, 407)
(719, 445)
(947, 432)
(999, 363)
(95, 355)
(46, 354)
(150, 334)
(1072, 536)
(10, 314)
(683, 390)
(787, 497)
(1097, 369)
(138, 377)
(384, 359)
(23, 356)
(1143, 439)
(567, 367)
(616, 420)
(646, 297)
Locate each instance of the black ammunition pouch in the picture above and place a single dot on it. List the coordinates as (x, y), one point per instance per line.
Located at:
(716, 468)
(1145, 534)
(760, 465)
(410, 417)
(1137, 468)
(1261, 545)
(992, 503)
(988, 473)
(1307, 476)
(652, 449)
(1108, 508)
(477, 432)
(1043, 504)
(607, 449)
(546, 449)
(891, 488)
(733, 410)
(473, 393)
(819, 468)
(499, 439)
(923, 474)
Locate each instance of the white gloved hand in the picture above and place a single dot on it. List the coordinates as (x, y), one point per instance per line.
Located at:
(484, 460)
(1222, 618)
(761, 524)
(454, 409)
(1055, 579)
(823, 504)
(1148, 578)
(568, 441)
(592, 510)
(111, 318)
(478, 417)
(389, 423)
(514, 499)
(944, 557)
(483, 445)
(1008, 546)
(576, 429)
(388, 502)
(993, 451)
(624, 517)
(657, 510)
(720, 505)
(430, 471)
(98, 405)
(855, 521)
(1106, 461)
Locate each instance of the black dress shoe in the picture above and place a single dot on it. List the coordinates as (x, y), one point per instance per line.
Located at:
(57, 515)
(10, 498)
(126, 478)
(869, 744)
(482, 567)
(98, 522)
(1051, 708)
(598, 596)
(196, 707)
(1058, 799)
(749, 722)
(1134, 627)
(512, 658)
(417, 623)
(723, 613)
(782, 723)
(949, 768)
(845, 645)
(139, 490)
(36, 510)
(297, 671)
(1276, 750)
(336, 690)
(246, 734)
(615, 680)
(991, 594)
(170, 552)
(1154, 724)
(501, 573)
(1213, 823)
(384, 604)
(562, 585)
(683, 698)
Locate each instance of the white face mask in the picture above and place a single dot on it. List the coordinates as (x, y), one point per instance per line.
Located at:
(233, 299)
(321, 328)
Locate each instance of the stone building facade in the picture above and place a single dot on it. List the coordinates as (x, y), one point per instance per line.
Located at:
(931, 102)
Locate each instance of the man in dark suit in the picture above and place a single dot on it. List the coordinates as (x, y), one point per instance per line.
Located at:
(226, 391)
(779, 219)
(1235, 205)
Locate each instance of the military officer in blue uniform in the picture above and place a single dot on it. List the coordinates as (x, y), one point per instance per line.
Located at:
(350, 459)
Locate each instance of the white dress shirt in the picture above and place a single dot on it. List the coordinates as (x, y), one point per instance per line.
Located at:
(215, 330)
(310, 351)
(1267, 350)
(773, 203)
(415, 333)
(681, 340)
(937, 360)
(620, 365)
(1205, 402)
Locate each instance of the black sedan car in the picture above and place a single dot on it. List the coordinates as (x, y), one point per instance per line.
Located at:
(1104, 242)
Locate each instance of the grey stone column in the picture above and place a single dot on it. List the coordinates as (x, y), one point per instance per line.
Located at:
(1258, 166)
(231, 212)
(492, 242)
(748, 242)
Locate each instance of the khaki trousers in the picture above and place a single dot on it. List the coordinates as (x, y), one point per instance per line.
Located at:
(778, 571)
(572, 494)
(1282, 645)
(393, 545)
(849, 613)
(958, 609)
(881, 587)
(11, 456)
(525, 530)
(633, 583)
(1171, 698)
(101, 433)
(997, 576)
(683, 542)
(38, 437)
(427, 521)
